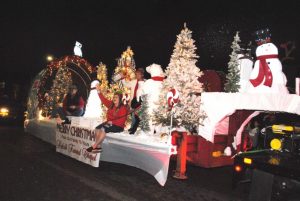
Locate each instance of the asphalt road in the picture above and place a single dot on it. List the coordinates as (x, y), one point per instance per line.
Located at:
(31, 169)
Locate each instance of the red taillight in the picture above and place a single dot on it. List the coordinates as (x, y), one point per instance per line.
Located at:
(237, 168)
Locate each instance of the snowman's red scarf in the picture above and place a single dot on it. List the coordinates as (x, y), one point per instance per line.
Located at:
(157, 78)
(264, 71)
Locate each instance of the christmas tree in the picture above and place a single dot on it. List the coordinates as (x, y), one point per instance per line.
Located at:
(125, 69)
(59, 89)
(102, 77)
(126, 65)
(143, 114)
(233, 76)
(182, 74)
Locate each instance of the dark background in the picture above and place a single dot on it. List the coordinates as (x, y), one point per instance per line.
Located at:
(31, 30)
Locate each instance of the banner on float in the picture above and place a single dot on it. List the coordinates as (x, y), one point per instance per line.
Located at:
(73, 141)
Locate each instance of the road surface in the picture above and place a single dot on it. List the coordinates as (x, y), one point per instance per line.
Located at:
(31, 169)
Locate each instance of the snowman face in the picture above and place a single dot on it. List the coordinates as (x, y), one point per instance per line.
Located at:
(266, 49)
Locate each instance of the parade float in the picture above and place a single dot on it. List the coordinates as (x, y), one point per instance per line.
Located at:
(150, 153)
(183, 112)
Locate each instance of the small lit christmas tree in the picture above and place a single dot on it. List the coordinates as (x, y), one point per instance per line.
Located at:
(182, 74)
(126, 65)
(143, 114)
(102, 77)
(59, 89)
(233, 76)
(125, 69)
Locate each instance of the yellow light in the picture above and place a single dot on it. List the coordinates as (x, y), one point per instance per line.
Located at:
(276, 144)
(248, 161)
(280, 128)
(49, 58)
(4, 111)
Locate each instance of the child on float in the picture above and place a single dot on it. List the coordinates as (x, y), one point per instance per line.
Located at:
(116, 118)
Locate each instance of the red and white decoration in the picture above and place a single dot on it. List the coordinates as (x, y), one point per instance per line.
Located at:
(173, 98)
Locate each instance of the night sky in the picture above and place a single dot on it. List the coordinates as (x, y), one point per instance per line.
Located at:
(30, 31)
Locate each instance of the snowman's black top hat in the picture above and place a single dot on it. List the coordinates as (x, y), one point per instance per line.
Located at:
(262, 36)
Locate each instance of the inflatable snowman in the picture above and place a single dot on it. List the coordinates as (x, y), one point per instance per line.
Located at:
(267, 75)
(93, 106)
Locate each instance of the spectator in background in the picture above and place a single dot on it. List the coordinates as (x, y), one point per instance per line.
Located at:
(73, 105)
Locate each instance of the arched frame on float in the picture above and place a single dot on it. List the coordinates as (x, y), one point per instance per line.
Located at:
(80, 69)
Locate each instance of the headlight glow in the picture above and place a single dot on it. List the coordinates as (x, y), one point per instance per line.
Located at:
(4, 111)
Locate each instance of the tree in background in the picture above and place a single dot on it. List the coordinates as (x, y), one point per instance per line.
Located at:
(182, 74)
(233, 75)
(59, 89)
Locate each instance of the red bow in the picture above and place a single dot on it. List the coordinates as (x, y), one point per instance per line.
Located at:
(264, 71)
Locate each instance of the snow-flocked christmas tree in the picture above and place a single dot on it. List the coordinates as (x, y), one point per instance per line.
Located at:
(233, 75)
(59, 89)
(182, 74)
